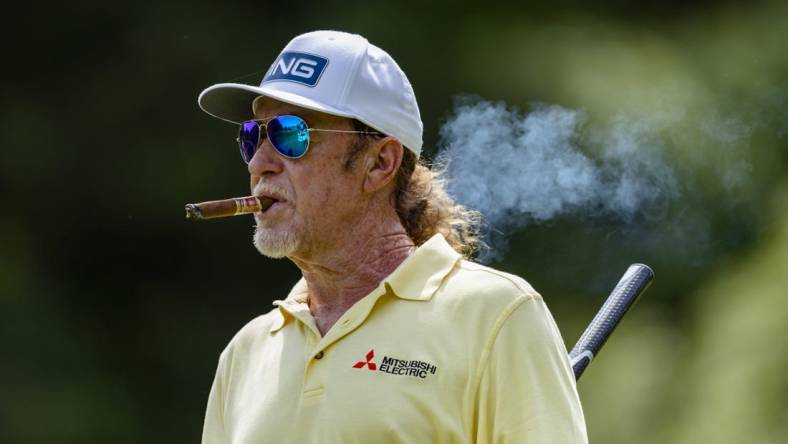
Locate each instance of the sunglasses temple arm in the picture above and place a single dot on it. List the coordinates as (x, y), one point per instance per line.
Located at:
(343, 131)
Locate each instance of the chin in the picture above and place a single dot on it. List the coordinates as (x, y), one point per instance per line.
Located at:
(275, 244)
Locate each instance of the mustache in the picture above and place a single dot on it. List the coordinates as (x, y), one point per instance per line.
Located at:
(269, 189)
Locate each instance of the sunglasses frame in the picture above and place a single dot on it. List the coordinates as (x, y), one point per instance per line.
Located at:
(262, 124)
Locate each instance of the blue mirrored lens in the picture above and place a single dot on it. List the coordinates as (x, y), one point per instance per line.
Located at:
(248, 139)
(289, 135)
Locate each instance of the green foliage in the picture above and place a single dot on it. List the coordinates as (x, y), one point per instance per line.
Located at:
(113, 308)
(718, 379)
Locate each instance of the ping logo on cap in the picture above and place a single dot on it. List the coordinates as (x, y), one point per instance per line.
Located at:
(297, 67)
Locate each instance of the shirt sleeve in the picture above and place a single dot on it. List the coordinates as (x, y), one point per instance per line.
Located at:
(527, 391)
(213, 431)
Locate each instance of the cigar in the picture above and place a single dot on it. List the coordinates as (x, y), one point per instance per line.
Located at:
(227, 207)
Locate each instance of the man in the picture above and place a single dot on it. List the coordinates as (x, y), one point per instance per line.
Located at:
(391, 336)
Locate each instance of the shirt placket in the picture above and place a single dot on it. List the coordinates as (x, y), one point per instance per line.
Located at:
(318, 348)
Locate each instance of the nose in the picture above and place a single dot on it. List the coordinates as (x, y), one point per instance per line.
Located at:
(265, 161)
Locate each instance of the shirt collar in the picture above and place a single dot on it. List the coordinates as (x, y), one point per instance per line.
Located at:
(417, 278)
(292, 305)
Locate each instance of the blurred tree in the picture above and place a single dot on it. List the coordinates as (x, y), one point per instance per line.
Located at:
(113, 309)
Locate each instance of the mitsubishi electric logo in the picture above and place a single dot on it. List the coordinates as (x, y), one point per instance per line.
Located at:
(297, 67)
(372, 366)
(400, 367)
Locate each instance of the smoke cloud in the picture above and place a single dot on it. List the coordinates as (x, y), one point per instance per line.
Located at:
(517, 168)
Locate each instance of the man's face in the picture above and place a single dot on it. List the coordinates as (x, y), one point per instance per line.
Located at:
(318, 200)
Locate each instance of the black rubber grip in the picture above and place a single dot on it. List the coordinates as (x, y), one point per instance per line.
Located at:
(632, 284)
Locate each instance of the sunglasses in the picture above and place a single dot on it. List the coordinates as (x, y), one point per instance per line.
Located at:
(289, 135)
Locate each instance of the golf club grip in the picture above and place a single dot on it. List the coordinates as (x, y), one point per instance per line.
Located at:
(632, 284)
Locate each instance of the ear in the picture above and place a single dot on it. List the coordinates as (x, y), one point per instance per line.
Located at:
(383, 161)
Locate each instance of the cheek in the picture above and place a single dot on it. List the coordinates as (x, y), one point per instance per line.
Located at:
(322, 197)
(330, 198)
(323, 186)
(312, 192)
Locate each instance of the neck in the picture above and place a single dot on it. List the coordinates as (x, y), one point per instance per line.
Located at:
(355, 265)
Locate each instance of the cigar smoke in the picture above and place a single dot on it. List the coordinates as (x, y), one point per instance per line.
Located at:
(518, 168)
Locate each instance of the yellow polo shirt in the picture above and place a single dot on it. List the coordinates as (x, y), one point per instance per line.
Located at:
(442, 351)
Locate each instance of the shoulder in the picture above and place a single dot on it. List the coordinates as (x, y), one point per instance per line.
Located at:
(482, 298)
(482, 284)
(517, 319)
(254, 332)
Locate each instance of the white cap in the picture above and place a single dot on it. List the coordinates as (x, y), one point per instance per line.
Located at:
(332, 72)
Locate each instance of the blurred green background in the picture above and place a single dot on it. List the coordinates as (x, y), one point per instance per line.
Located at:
(114, 309)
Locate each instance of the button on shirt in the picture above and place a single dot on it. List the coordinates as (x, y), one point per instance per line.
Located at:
(443, 350)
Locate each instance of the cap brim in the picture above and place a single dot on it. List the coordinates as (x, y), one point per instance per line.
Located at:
(233, 101)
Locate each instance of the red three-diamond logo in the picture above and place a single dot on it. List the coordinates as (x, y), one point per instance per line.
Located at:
(372, 366)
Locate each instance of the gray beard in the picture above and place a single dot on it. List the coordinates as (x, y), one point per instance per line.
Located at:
(275, 244)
